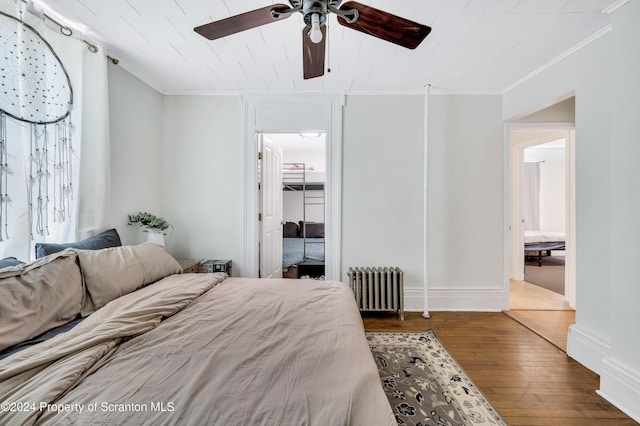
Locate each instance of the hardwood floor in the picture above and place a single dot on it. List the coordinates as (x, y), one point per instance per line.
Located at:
(527, 379)
(550, 325)
(523, 295)
(543, 311)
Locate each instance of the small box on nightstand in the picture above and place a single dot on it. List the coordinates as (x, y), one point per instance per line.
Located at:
(216, 266)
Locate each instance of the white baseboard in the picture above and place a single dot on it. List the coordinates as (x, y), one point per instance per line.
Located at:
(588, 348)
(620, 387)
(467, 300)
(413, 300)
(455, 300)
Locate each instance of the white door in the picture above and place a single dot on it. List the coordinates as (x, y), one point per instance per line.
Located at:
(271, 214)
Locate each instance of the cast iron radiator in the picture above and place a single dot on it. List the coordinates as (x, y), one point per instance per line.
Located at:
(378, 289)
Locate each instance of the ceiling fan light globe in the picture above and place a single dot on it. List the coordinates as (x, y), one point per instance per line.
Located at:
(316, 33)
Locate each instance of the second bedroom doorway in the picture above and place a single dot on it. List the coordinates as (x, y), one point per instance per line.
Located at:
(295, 116)
(292, 187)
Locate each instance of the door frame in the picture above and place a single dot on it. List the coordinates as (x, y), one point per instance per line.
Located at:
(515, 240)
(286, 113)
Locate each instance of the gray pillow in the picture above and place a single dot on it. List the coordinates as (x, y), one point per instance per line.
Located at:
(9, 261)
(290, 230)
(313, 229)
(106, 239)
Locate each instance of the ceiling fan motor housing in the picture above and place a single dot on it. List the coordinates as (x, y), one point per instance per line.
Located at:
(309, 7)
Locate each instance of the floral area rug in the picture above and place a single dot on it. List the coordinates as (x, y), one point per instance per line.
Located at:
(425, 385)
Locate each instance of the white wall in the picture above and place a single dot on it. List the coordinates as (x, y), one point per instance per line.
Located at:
(465, 203)
(292, 206)
(603, 75)
(383, 175)
(383, 188)
(137, 174)
(593, 183)
(552, 184)
(204, 168)
(313, 159)
(622, 367)
(563, 112)
(625, 177)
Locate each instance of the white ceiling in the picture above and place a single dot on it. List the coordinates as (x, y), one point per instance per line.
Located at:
(475, 45)
(298, 141)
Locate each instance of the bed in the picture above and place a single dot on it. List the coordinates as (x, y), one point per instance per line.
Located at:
(187, 349)
(540, 242)
(293, 251)
(302, 248)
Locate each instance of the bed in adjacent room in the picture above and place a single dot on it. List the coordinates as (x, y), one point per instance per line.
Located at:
(302, 248)
(156, 346)
(293, 251)
(541, 242)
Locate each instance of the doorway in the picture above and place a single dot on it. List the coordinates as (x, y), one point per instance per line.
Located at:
(542, 210)
(292, 236)
(274, 113)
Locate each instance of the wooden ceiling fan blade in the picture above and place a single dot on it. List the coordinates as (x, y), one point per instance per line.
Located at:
(385, 26)
(244, 21)
(313, 54)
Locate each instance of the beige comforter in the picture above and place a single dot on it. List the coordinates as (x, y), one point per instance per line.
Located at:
(242, 352)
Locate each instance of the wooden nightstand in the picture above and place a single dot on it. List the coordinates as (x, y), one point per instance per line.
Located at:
(190, 265)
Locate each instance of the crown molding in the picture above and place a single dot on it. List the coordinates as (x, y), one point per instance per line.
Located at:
(559, 58)
(440, 91)
(615, 6)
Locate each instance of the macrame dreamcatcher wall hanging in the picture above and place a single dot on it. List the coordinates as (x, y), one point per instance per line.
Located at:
(35, 89)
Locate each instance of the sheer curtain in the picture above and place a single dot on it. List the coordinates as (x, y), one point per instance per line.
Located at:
(531, 196)
(95, 179)
(90, 149)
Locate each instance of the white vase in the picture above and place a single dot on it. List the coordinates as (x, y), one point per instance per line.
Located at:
(155, 235)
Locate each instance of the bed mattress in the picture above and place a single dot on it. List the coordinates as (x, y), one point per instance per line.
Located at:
(293, 251)
(531, 237)
(191, 350)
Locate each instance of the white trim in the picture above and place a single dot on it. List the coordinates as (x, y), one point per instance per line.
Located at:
(412, 92)
(615, 6)
(540, 125)
(201, 93)
(444, 91)
(570, 219)
(294, 112)
(425, 205)
(559, 58)
(250, 195)
(471, 299)
(508, 215)
(414, 300)
(588, 348)
(333, 268)
(620, 387)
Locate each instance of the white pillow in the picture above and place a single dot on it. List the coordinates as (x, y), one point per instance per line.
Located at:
(113, 272)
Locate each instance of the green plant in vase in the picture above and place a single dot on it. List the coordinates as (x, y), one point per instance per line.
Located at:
(149, 221)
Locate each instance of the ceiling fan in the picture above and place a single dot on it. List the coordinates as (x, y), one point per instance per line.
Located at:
(351, 14)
